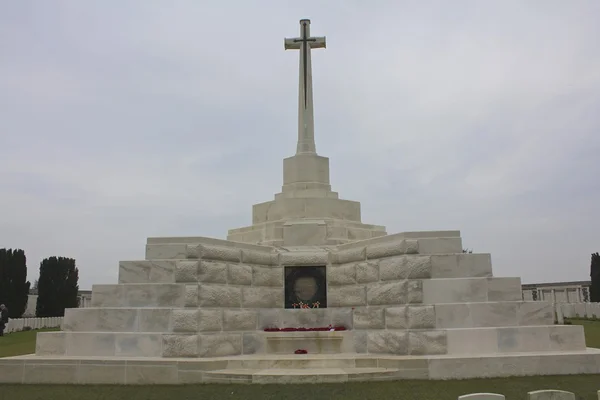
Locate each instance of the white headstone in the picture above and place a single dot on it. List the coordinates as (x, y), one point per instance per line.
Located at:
(551, 395)
(482, 396)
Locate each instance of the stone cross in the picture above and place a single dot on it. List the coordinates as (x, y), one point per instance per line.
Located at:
(306, 124)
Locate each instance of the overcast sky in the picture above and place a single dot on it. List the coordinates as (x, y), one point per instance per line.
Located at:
(121, 120)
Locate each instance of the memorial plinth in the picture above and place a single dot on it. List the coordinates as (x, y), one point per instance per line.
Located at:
(306, 277)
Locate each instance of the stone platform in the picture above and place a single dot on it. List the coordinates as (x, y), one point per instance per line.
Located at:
(409, 306)
(292, 368)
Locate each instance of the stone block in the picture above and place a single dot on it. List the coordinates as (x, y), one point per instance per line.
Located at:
(504, 289)
(138, 345)
(239, 320)
(101, 372)
(304, 233)
(421, 317)
(190, 296)
(262, 297)
(51, 344)
(175, 251)
(180, 346)
(143, 374)
(152, 295)
(346, 296)
(367, 272)
(220, 345)
(154, 319)
(186, 271)
(415, 292)
(523, 339)
(360, 341)
(81, 319)
(50, 373)
(210, 320)
(440, 245)
(567, 338)
(211, 295)
(344, 274)
(493, 314)
(311, 318)
(157, 271)
(252, 343)
(117, 320)
(551, 395)
(453, 315)
(185, 320)
(387, 293)
(369, 318)
(108, 295)
(270, 318)
(94, 344)
(535, 313)
(260, 257)
(267, 276)
(341, 317)
(239, 274)
(459, 290)
(350, 255)
(396, 317)
(304, 258)
(405, 267)
(386, 249)
(472, 341)
(475, 265)
(214, 252)
(427, 342)
(212, 272)
(387, 342)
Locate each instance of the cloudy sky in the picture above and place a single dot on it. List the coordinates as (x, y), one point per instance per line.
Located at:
(121, 120)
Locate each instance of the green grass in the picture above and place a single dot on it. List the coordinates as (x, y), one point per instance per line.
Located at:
(584, 386)
(19, 343)
(592, 331)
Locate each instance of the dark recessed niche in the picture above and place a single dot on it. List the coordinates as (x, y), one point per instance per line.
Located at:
(307, 285)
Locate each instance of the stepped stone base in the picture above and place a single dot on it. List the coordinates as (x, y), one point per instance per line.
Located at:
(309, 368)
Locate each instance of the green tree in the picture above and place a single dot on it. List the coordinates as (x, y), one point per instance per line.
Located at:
(14, 287)
(595, 275)
(57, 287)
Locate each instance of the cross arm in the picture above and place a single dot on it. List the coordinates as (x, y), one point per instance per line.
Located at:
(318, 43)
(292, 44)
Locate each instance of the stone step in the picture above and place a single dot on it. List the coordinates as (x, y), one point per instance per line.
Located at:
(170, 270)
(439, 316)
(269, 294)
(144, 371)
(234, 251)
(495, 340)
(304, 375)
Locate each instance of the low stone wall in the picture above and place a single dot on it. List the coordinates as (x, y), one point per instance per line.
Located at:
(577, 310)
(535, 395)
(20, 324)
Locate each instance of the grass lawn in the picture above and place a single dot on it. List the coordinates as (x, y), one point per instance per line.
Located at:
(584, 386)
(19, 343)
(592, 331)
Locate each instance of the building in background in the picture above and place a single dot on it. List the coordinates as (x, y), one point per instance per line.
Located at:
(558, 292)
(84, 297)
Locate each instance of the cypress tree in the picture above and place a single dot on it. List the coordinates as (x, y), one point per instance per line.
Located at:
(14, 287)
(57, 287)
(595, 275)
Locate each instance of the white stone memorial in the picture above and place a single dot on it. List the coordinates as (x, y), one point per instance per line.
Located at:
(307, 293)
